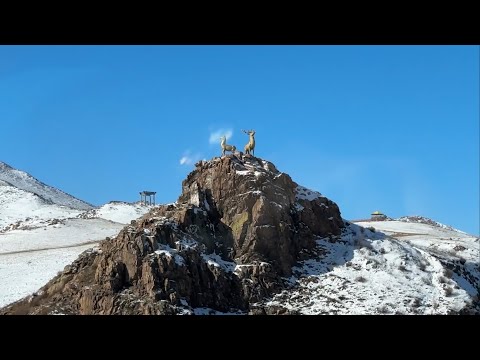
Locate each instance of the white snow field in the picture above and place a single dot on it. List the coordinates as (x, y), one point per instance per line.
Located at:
(401, 268)
(117, 211)
(24, 209)
(43, 229)
(30, 258)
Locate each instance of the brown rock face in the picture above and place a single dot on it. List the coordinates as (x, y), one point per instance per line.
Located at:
(237, 228)
(268, 217)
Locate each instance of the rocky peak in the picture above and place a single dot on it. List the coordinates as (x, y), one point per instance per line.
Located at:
(267, 215)
(237, 228)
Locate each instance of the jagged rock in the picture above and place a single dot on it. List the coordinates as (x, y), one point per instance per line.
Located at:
(266, 214)
(237, 228)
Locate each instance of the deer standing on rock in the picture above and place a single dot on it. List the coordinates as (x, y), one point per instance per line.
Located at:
(250, 147)
(226, 147)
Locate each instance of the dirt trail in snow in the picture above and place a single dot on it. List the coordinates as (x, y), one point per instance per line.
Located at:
(401, 234)
(52, 248)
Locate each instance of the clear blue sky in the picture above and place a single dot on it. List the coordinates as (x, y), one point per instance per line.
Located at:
(389, 128)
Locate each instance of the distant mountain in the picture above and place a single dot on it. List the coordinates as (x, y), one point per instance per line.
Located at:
(24, 181)
(20, 209)
(424, 220)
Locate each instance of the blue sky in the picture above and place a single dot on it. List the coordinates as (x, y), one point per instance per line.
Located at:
(389, 128)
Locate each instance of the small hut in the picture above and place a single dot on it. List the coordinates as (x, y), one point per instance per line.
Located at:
(146, 197)
(378, 216)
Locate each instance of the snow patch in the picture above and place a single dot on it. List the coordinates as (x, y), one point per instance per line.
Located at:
(171, 253)
(209, 311)
(120, 212)
(302, 193)
(298, 207)
(215, 260)
(243, 172)
(186, 244)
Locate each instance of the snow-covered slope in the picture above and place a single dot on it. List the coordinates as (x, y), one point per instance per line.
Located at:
(423, 220)
(34, 249)
(117, 211)
(26, 182)
(412, 265)
(20, 209)
(30, 258)
(42, 229)
(401, 268)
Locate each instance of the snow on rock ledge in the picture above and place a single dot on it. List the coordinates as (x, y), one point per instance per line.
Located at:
(302, 193)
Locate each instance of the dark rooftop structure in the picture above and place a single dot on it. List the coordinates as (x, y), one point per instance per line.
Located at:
(147, 196)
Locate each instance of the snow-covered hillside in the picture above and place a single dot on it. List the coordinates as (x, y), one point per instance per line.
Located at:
(423, 220)
(34, 250)
(24, 181)
(20, 209)
(117, 211)
(43, 238)
(43, 229)
(412, 265)
(29, 258)
(400, 268)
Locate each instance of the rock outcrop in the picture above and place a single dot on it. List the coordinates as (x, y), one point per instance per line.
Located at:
(236, 230)
(264, 214)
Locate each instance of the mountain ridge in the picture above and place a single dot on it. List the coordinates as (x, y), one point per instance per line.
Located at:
(244, 238)
(425, 220)
(24, 181)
